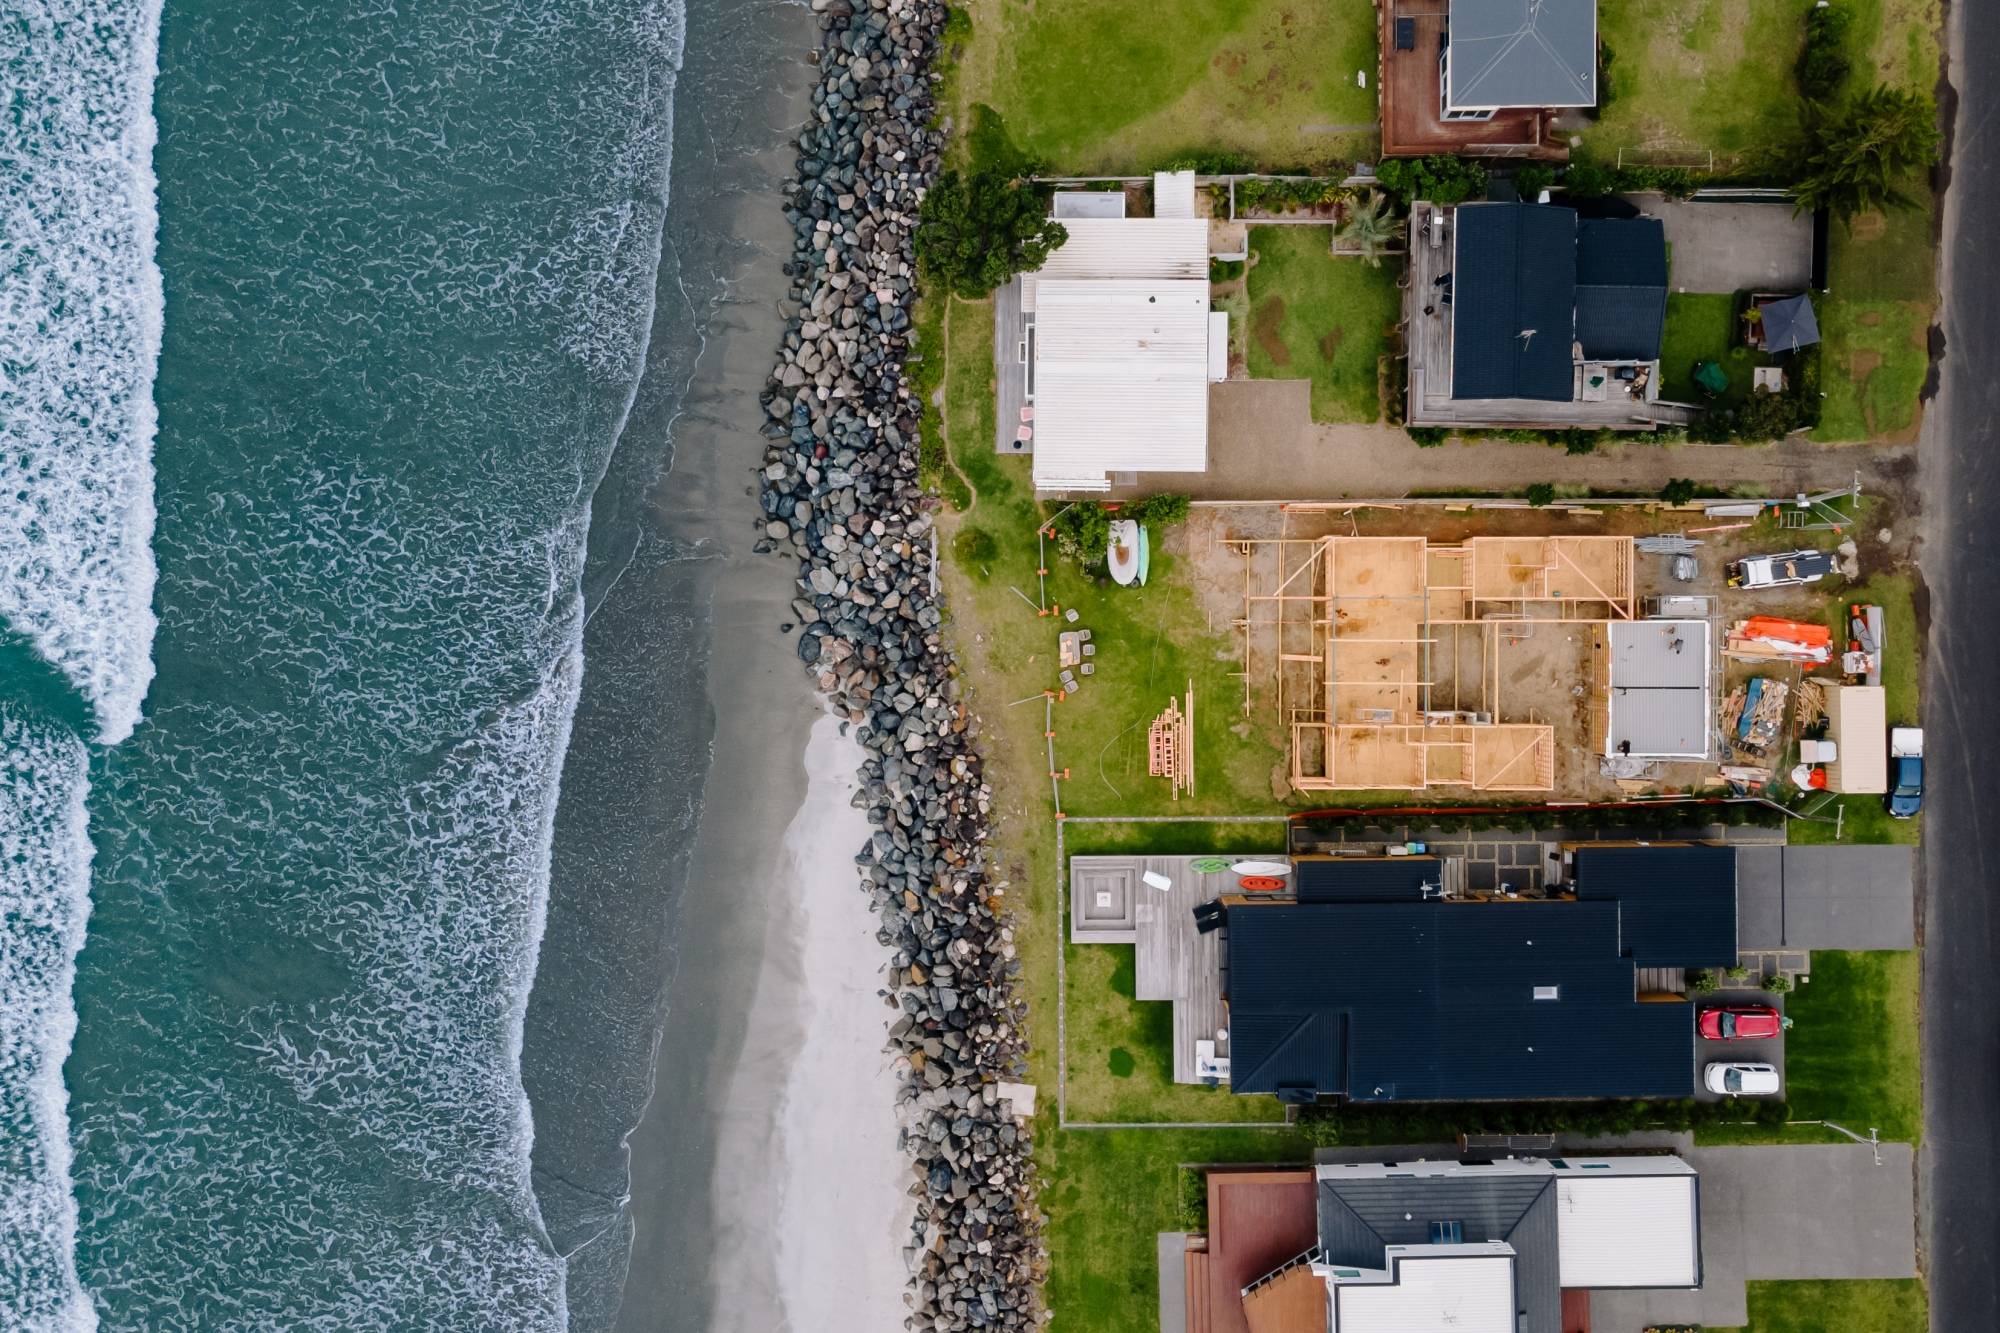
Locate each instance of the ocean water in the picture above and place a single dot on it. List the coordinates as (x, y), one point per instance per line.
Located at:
(406, 255)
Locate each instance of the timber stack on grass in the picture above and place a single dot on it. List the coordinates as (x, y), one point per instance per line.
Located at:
(841, 494)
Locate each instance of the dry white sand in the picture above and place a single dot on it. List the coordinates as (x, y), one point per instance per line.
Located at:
(811, 1202)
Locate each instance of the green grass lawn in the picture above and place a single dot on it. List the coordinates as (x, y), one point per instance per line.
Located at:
(1866, 819)
(1128, 85)
(1108, 1193)
(1121, 1048)
(1690, 77)
(1321, 318)
(1864, 1306)
(1701, 327)
(1875, 321)
(1851, 1056)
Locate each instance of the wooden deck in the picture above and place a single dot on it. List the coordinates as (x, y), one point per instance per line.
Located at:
(1258, 1221)
(1409, 80)
(1175, 962)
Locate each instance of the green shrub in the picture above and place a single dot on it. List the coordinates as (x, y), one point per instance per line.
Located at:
(1823, 65)
(1164, 509)
(976, 232)
(1586, 180)
(1441, 180)
(1541, 493)
(1678, 491)
(1224, 270)
(1531, 180)
(974, 548)
(1738, 973)
(1704, 982)
(1326, 1125)
(1777, 983)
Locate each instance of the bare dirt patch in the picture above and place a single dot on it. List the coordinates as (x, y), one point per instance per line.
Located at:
(1329, 343)
(1265, 326)
(1869, 226)
(1863, 362)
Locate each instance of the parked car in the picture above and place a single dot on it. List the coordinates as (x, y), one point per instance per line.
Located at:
(1906, 771)
(1780, 570)
(1740, 1022)
(1742, 1078)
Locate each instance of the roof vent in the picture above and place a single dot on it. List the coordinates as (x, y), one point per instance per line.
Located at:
(1548, 992)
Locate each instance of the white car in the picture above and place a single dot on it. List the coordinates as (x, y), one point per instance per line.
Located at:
(1740, 1078)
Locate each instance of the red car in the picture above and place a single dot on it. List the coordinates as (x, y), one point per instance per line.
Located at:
(1740, 1023)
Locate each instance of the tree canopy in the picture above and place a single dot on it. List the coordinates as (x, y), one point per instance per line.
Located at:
(975, 232)
(1861, 156)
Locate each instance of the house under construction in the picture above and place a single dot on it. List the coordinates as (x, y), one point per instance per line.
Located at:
(1389, 653)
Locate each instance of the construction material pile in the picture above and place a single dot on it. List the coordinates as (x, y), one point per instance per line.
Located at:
(1769, 638)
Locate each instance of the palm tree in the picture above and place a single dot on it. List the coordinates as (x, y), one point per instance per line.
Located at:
(1368, 229)
(1865, 154)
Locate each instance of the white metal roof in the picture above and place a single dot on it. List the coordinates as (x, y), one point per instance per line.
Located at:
(1659, 700)
(1857, 722)
(1618, 1228)
(1158, 248)
(1218, 344)
(1469, 1292)
(1121, 380)
(1173, 194)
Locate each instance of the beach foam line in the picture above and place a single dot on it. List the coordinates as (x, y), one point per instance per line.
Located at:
(80, 333)
(44, 902)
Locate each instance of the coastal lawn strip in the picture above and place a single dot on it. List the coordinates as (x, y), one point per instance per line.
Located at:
(1125, 86)
(1861, 1305)
(1851, 1056)
(1866, 818)
(1106, 1192)
(1322, 318)
(1875, 321)
(1691, 77)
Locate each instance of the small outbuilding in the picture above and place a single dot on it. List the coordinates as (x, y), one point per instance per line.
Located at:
(1857, 722)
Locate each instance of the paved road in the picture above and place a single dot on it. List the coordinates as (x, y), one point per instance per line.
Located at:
(1960, 1176)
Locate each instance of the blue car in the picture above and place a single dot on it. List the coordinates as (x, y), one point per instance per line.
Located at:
(1906, 772)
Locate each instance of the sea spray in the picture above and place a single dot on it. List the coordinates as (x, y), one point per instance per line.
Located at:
(44, 901)
(80, 312)
(842, 494)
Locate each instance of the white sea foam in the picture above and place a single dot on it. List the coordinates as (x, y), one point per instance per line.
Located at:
(80, 313)
(44, 900)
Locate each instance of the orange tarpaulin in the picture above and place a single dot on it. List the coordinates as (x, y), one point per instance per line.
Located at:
(1801, 632)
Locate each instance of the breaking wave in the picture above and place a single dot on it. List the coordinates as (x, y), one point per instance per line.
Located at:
(44, 901)
(80, 312)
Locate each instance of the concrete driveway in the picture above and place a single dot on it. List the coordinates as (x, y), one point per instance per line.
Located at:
(1782, 1213)
(1732, 247)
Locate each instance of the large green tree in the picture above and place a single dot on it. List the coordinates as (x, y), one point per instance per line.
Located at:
(1863, 155)
(975, 232)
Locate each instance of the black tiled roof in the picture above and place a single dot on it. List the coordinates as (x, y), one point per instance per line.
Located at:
(1678, 902)
(1360, 1216)
(1372, 879)
(1432, 1001)
(1513, 302)
(1621, 288)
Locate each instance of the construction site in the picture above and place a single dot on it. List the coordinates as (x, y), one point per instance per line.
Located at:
(1583, 665)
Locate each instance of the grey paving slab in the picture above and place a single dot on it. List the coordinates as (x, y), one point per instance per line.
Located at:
(1729, 247)
(1172, 1251)
(1760, 897)
(1850, 898)
(1782, 1213)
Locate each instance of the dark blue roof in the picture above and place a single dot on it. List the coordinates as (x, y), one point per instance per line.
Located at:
(1372, 879)
(1434, 1001)
(1513, 302)
(1679, 900)
(1621, 288)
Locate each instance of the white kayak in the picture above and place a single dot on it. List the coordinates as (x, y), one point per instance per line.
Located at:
(1122, 555)
(1277, 869)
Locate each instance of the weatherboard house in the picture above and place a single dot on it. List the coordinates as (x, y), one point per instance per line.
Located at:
(1484, 77)
(1534, 315)
(1508, 1246)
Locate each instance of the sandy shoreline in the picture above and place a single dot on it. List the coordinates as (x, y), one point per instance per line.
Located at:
(808, 1171)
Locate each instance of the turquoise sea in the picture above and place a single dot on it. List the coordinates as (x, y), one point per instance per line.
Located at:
(289, 674)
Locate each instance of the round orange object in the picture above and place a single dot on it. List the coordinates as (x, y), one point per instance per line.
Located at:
(1261, 883)
(1816, 779)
